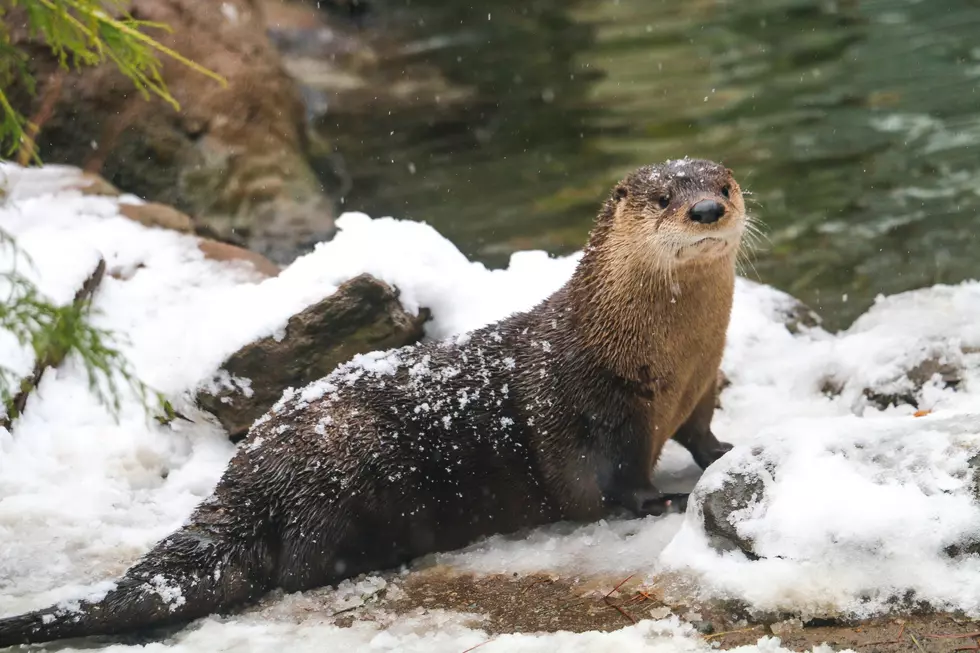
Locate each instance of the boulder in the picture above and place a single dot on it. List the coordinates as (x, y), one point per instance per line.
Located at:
(735, 494)
(363, 315)
(233, 158)
(219, 251)
(905, 388)
(741, 489)
(970, 546)
(798, 317)
(738, 492)
(154, 214)
(344, 65)
(93, 185)
(783, 307)
(908, 388)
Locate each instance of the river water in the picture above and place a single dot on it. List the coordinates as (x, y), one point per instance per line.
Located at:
(854, 124)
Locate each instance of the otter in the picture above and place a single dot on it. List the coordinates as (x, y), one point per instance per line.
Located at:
(557, 413)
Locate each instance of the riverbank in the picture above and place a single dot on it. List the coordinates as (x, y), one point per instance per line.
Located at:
(869, 512)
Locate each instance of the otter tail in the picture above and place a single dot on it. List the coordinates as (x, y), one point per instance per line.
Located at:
(190, 574)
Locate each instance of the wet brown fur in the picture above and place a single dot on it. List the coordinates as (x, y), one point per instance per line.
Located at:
(556, 413)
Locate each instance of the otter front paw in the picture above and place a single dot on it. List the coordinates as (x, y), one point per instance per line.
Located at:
(650, 501)
(704, 457)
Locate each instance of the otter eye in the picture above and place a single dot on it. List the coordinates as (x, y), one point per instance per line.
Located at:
(663, 201)
(726, 191)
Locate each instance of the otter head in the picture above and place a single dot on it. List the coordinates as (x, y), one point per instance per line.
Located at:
(679, 213)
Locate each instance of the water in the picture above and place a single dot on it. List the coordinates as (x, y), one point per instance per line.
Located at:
(855, 125)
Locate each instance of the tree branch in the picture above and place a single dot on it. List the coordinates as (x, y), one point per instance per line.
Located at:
(54, 356)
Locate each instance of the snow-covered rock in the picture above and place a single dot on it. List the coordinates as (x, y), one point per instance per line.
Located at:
(832, 504)
(362, 316)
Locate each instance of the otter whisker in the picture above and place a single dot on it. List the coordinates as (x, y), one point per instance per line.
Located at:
(747, 249)
(755, 231)
(750, 241)
(750, 219)
(741, 261)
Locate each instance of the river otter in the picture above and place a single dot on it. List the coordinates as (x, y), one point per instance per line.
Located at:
(557, 413)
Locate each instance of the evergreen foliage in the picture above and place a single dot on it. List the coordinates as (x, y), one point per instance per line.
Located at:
(53, 333)
(79, 33)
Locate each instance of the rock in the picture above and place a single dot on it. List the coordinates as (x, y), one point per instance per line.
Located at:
(905, 389)
(233, 158)
(798, 317)
(355, 67)
(908, 389)
(969, 547)
(786, 628)
(974, 464)
(219, 251)
(153, 214)
(363, 315)
(92, 184)
(783, 307)
(703, 626)
(741, 492)
(737, 492)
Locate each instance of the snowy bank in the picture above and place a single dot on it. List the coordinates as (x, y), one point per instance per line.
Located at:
(82, 496)
(857, 509)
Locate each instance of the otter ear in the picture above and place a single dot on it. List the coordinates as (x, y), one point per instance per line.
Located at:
(621, 192)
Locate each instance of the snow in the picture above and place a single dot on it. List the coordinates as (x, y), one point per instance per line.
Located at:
(860, 509)
(435, 632)
(863, 501)
(856, 514)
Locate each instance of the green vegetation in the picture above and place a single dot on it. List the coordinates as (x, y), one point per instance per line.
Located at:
(53, 332)
(79, 33)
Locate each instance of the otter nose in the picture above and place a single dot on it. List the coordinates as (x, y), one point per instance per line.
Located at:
(707, 211)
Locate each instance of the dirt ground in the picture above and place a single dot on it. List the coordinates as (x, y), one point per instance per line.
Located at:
(543, 603)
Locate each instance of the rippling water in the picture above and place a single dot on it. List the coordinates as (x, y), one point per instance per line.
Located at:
(855, 125)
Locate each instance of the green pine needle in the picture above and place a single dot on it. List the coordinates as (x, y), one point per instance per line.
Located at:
(56, 333)
(79, 33)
